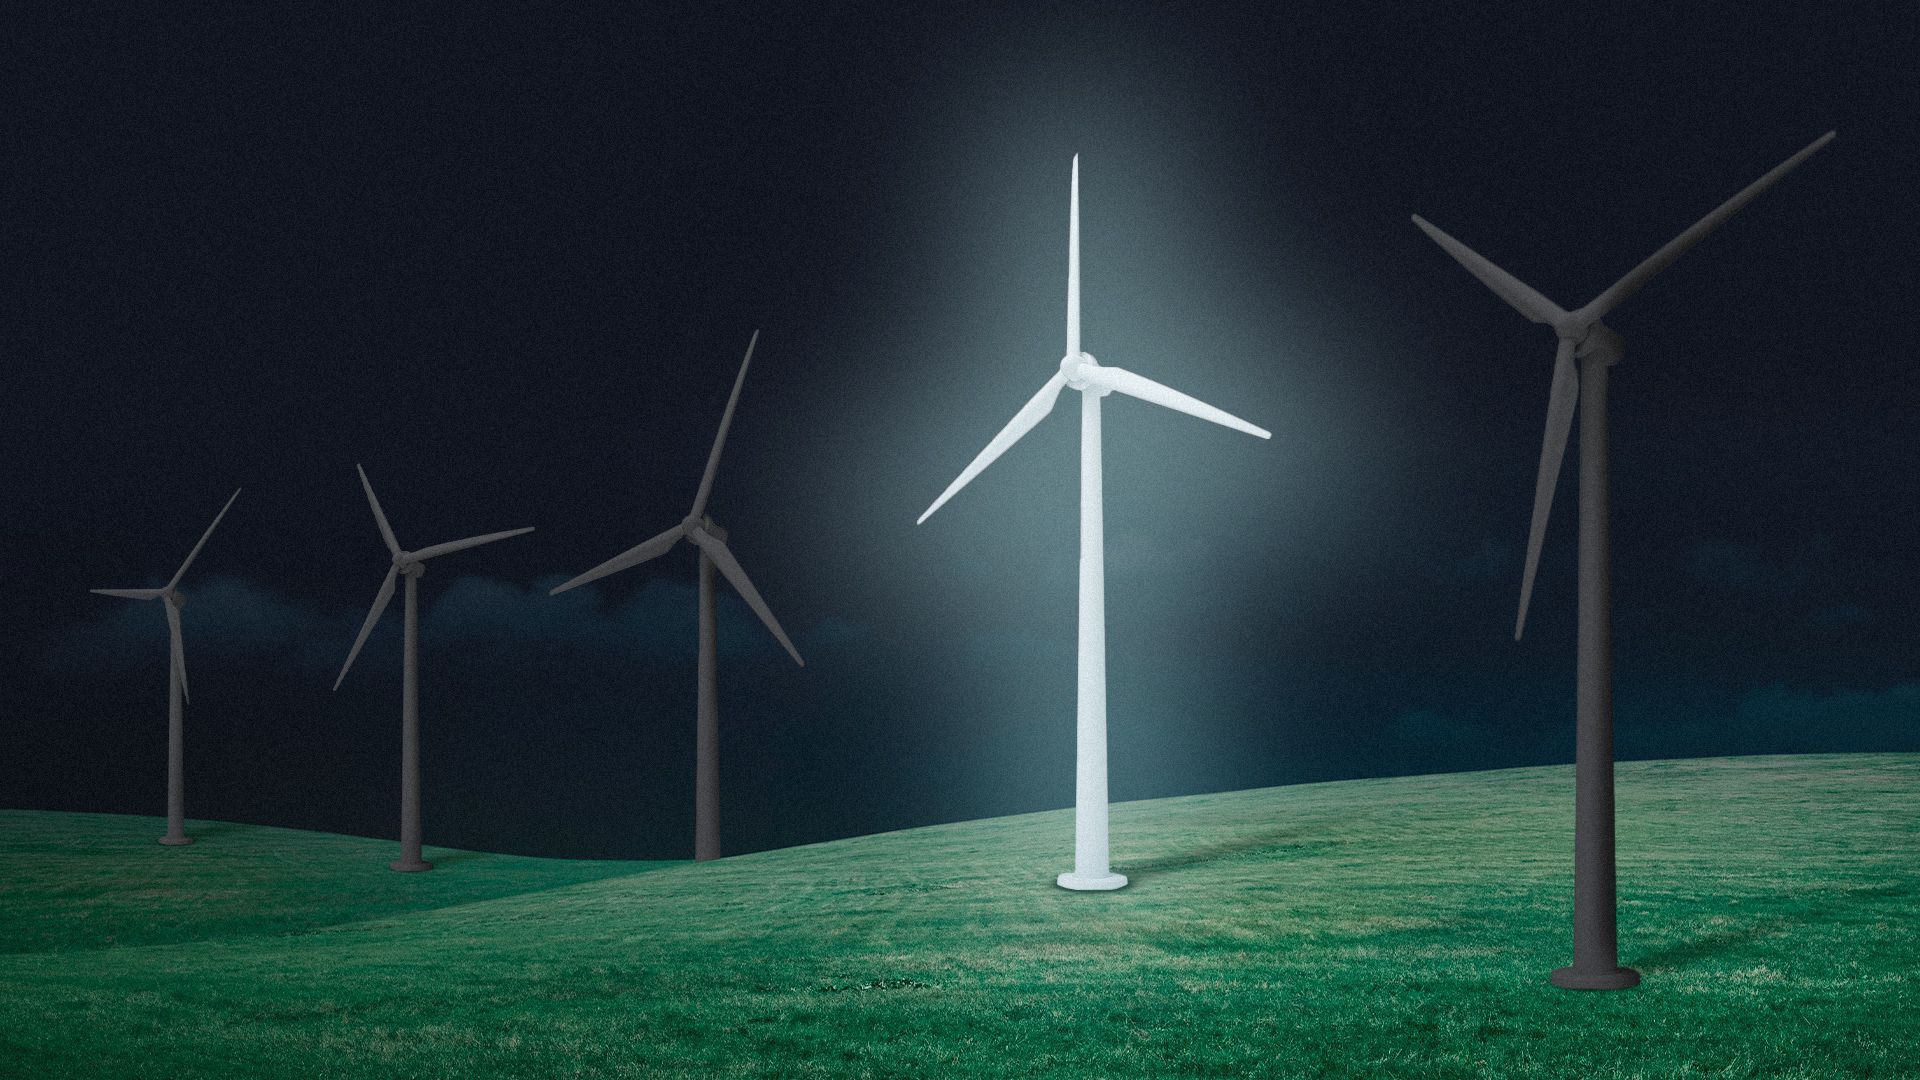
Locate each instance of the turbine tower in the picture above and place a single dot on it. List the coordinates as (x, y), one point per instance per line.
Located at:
(411, 564)
(171, 596)
(1080, 371)
(1583, 337)
(699, 529)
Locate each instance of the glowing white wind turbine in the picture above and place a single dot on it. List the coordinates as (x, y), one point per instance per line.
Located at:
(411, 564)
(1094, 381)
(176, 683)
(1596, 346)
(699, 530)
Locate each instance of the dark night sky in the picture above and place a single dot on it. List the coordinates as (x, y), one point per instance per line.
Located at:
(507, 257)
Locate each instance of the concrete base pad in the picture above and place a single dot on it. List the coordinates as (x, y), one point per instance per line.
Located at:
(176, 841)
(406, 867)
(1602, 979)
(1103, 883)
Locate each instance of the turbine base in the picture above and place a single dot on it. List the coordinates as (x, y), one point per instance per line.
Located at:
(1091, 883)
(176, 841)
(406, 867)
(1618, 978)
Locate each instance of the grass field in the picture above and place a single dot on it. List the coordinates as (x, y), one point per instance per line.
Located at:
(1380, 928)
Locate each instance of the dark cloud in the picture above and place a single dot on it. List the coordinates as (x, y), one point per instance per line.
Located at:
(227, 618)
(1841, 618)
(1743, 568)
(1828, 720)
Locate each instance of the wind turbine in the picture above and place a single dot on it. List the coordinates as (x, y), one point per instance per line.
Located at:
(176, 683)
(699, 529)
(1583, 337)
(1080, 371)
(411, 564)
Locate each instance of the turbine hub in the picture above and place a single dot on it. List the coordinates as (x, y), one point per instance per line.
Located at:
(1602, 341)
(177, 599)
(690, 524)
(408, 565)
(1074, 368)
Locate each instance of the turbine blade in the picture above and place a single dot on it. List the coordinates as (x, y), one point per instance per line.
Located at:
(182, 572)
(1073, 263)
(633, 556)
(720, 439)
(130, 594)
(176, 652)
(461, 545)
(1658, 261)
(1504, 285)
(1034, 411)
(379, 606)
(386, 530)
(1147, 390)
(1553, 447)
(722, 558)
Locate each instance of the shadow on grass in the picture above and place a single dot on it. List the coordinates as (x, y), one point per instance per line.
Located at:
(1279, 845)
(222, 828)
(1763, 925)
(1717, 943)
(454, 858)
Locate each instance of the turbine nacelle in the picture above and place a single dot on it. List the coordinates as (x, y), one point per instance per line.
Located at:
(693, 526)
(175, 597)
(1078, 369)
(404, 562)
(1603, 341)
(1591, 337)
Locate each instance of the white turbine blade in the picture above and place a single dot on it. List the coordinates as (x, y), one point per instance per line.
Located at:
(461, 545)
(1034, 411)
(633, 556)
(182, 572)
(1073, 263)
(379, 606)
(1147, 390)
(1553, 447)
(131, 594)
(176, 652)
(720, 439)
(1504, 285)
(386, 530)
(1658, 261)
(722, 558)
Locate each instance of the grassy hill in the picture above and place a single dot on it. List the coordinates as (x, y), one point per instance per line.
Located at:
(1381, 928)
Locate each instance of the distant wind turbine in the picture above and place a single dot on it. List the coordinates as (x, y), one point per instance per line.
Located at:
(699, 529)
(1583, 337)
(411, 564)
(1094, 381)
(173, 600)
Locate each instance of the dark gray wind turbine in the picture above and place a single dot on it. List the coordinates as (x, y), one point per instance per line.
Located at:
(411, 564)
(1583, 337)
(699, 530)
(172, 598)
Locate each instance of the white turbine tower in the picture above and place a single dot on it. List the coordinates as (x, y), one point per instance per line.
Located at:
(176, 683)
(412, 564)
(1596, 346)
(1094, 381)
(699, 529)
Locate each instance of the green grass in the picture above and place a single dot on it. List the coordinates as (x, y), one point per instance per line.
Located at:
(1379, 928)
